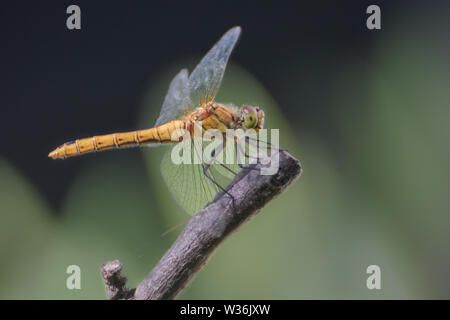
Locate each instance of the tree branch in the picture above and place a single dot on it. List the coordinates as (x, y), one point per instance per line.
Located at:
(115, 282)
(206, 230)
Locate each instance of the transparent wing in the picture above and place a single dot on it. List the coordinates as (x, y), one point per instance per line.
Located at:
(188, 183)
(187, 92)
(174, 105)
(204, 81)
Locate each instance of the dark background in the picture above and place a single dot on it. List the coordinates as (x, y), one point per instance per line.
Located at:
(366, 112)
(58, 84)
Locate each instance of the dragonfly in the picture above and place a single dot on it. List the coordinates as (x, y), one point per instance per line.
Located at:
(189, 100)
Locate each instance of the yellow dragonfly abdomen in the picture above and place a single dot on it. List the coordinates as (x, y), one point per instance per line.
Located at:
(167, 133)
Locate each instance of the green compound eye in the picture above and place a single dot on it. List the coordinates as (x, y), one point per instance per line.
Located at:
(250, 120)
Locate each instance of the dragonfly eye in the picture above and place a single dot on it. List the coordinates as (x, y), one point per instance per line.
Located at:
(250, 117)
(250, 120)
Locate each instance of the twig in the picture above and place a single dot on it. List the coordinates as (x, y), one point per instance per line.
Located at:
(206, 230)
(115, 282)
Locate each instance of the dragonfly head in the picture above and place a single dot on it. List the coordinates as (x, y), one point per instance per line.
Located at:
(252, 117)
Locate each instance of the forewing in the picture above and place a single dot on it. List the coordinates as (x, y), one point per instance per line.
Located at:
(204, 81)
(174, 106)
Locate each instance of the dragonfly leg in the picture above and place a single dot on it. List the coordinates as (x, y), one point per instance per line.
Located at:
(205, 172)
(229, 169)
(245, 155)
(214, 154)
(246, 168)
(268, 143)
(206, 167)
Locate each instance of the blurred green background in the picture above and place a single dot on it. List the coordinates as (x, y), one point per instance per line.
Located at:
(375, 190)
